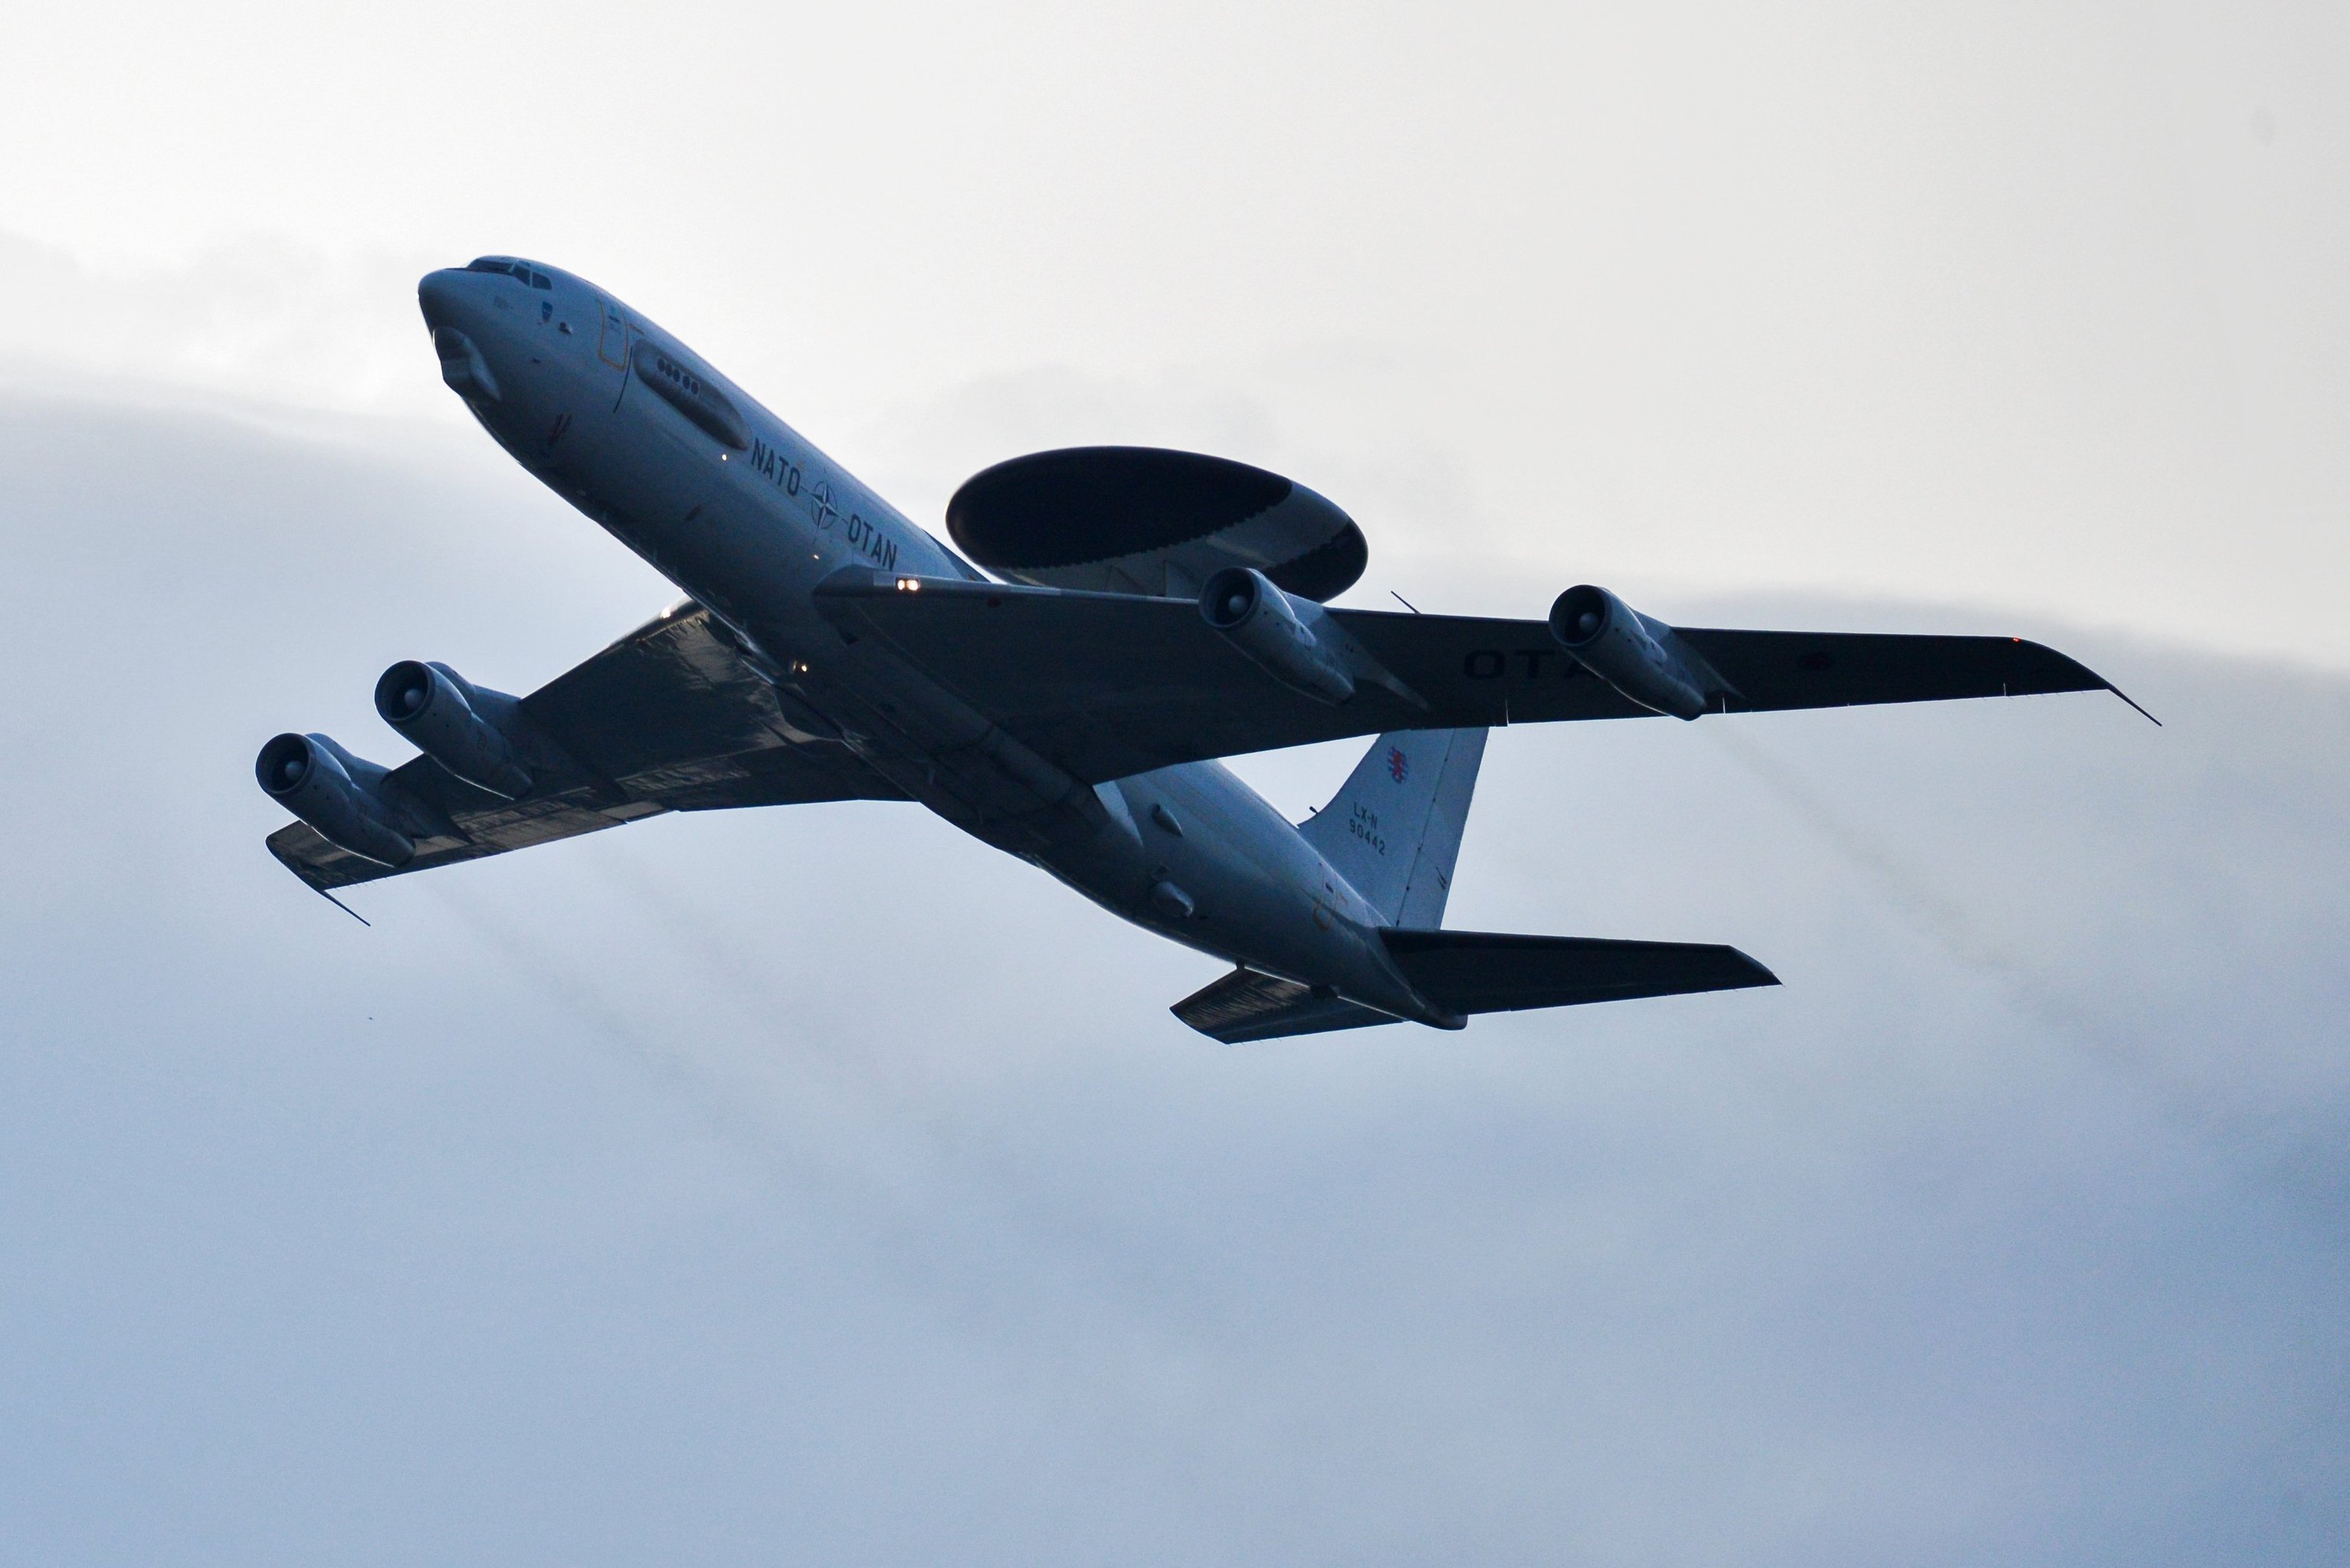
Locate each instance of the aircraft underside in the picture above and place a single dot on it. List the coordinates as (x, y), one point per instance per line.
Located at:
(1148, 612)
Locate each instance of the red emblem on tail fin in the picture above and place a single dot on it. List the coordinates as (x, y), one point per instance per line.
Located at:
(1397, 763)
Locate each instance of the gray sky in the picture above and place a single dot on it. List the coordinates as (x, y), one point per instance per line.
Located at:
(819, 1185)
(627, 1201)
(1998, 306)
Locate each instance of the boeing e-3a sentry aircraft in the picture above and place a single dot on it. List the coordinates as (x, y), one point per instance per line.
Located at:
(1150, 612)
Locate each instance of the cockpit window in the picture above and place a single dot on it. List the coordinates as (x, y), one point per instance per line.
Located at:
(515, 269)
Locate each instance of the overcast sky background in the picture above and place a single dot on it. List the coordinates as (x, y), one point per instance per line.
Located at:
(819, 1186)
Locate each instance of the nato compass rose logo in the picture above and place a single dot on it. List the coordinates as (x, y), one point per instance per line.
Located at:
(1397, 763)
(826, 514)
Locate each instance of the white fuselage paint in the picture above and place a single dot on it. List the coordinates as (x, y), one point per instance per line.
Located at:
(750, 532)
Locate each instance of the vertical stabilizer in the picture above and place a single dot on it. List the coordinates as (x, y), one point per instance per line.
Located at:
(1393, 830)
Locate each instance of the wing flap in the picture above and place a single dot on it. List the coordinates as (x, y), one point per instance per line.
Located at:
(325, 866)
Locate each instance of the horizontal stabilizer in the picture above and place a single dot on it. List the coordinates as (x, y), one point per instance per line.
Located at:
(1482, 971)
(1245, 1005)
(1474, 971)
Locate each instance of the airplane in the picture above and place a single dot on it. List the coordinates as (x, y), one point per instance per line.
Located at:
(1141, 614)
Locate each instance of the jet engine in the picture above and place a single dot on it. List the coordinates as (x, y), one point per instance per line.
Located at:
(466, 728)
(1640, 658)
(339, 794)
(1258, 619)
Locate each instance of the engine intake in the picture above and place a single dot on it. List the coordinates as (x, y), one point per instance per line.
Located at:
(1640, 658)
(1258, 619)
(341, 795)
(466, 728)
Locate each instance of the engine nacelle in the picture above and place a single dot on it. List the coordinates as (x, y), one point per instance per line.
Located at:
(1639, 658)
(1258, 619)
(462, 726)
(336, 793)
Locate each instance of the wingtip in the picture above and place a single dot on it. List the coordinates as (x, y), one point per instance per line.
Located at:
(2127, 698)
(307, 875)
(2095, 682)
(346, 908)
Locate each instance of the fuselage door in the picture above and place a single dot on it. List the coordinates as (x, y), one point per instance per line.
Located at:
(612, 344)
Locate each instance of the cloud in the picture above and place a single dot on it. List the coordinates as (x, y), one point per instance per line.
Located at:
(821, 1185)
(270, 320)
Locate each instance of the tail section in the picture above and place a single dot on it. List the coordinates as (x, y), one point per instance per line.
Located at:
(1480, 971)
(1246, 1006)
(1470, 972)
(1393, 830)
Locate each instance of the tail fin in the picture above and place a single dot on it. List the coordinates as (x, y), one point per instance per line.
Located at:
(1393, 830)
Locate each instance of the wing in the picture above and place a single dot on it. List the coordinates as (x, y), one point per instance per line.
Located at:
(1107, 685)
(667, 719)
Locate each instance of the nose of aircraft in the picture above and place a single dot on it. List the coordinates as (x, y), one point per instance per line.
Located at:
(441, 296)
(461, 329)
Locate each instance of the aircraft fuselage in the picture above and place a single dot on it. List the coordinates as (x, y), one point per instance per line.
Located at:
(745, 515)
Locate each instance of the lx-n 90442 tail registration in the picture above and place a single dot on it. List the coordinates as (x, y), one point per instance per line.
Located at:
(1061, 684)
